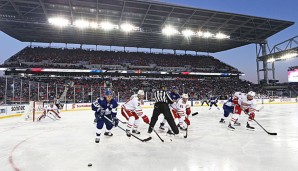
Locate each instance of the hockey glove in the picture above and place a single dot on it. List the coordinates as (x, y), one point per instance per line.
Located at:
(115, 121)
(252, 116)
(188, 111)
(145, 119)
(101, 113)
(187, 121)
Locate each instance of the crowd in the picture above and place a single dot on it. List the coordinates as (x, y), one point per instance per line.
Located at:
(88, 89)
(85, 89)
(80, 58)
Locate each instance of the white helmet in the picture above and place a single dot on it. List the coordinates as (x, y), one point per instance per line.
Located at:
(185, 96)
(237, 94)
(141, 92)
(251, 93)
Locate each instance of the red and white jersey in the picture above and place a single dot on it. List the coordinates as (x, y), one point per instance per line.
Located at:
(49, 108)
(236, 97)
(181, 106)
(247, 104)
(134, 105)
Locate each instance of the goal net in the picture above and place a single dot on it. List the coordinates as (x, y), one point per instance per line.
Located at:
(35, 109)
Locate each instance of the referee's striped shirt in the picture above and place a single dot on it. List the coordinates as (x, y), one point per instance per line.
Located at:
(163, 96)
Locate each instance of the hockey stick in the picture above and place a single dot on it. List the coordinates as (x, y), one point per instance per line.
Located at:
(187, 126)
(123, 122)
(194, 114)
(258, 110)
(270, 133)
(157, 134)
(143, 140)
(150, 127)
(51, 117)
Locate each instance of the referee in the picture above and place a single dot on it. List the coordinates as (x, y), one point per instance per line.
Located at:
(162, 101)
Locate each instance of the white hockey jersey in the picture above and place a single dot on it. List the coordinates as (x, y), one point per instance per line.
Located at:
(134, 105)
(181, 107)
(247, 104)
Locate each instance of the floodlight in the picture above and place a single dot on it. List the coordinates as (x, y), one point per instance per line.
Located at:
(59, 21)
(271, 60)
(222, 36)
(82, 24)
(94, 25)
(188, 33)
(200, 33)
(127, 27)
(106, 26)
(288, 55)
(207, 34)
(169, 30)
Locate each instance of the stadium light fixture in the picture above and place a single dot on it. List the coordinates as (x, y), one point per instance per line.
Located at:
(82, 24)
(59, 21)
(207, 34)
(288, 56)
(188, 33)
(169, 31)
(271, 60)
(94, 25)
(221, 36)
(200, 33)
(126, 27)
(106, 26)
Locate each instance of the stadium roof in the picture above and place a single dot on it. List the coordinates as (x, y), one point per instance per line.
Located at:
(27, 20)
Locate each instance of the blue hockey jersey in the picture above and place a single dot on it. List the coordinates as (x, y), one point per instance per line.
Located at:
(102, 107)
(213, 100)
(174, 96)
(229, 102)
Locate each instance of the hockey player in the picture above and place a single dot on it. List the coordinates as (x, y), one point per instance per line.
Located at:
(183, 109)
(213, 101)
(174, 96)
(51, 109)
(228, 107)
(132, 111)
(204, 100)
(105, 107)
(245, 103)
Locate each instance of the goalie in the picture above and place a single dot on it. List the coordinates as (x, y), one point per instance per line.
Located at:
(51, 112)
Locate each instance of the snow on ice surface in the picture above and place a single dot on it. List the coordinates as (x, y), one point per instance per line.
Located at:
(68, 144)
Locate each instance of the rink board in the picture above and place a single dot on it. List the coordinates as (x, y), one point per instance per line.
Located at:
(19, 110)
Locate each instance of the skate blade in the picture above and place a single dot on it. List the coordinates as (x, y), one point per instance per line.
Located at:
(250, 129)
(231, 129)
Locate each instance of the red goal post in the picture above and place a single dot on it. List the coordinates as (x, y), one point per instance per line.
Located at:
(36, 108)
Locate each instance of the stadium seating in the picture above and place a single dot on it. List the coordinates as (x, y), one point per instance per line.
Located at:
(79, 58)
(123, 88)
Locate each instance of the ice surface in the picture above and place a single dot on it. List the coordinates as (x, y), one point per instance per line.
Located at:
(68, 144)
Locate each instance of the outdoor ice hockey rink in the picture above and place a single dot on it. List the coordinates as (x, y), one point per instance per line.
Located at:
(68, 144)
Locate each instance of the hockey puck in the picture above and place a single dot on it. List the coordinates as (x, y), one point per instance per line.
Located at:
(90, 164)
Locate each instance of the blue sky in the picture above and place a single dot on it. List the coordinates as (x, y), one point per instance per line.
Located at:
(243, 58)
